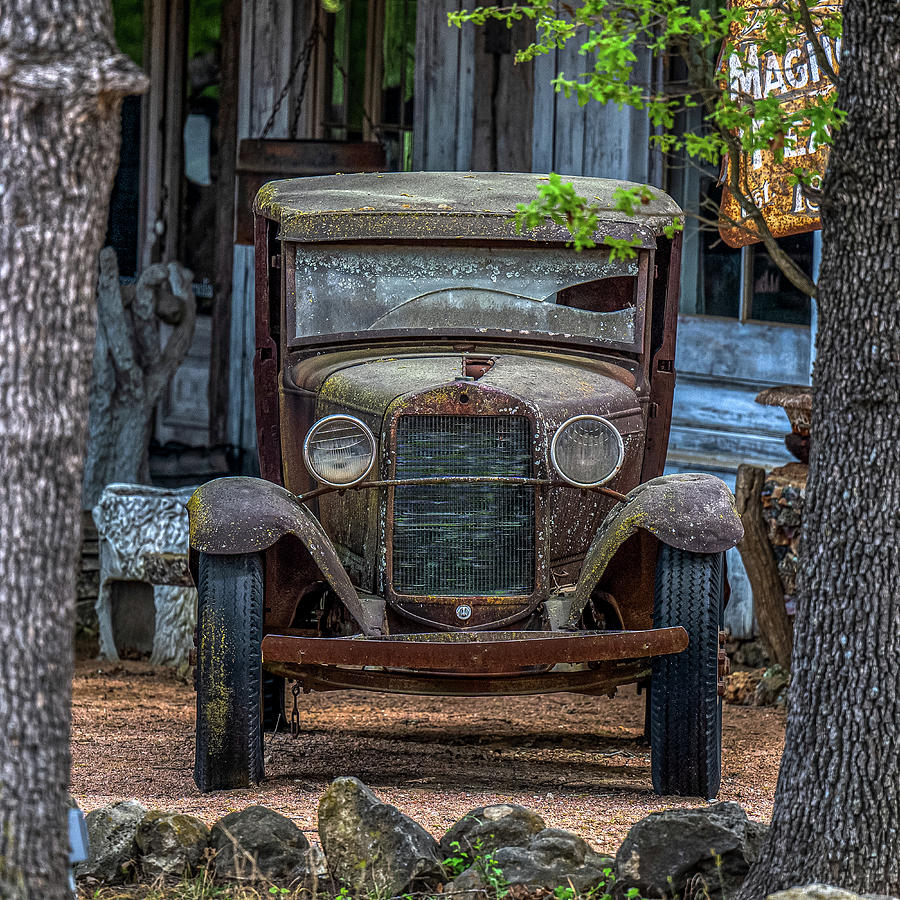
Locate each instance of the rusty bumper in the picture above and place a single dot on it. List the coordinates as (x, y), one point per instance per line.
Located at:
(467, 653)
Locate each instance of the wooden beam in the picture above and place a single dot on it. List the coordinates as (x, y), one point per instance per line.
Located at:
(759, 561)
(173, 130)
(224, 261)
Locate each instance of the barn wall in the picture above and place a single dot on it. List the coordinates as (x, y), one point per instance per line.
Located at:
(272, 34)
(597, 140)
(445, 72)
(461, 73)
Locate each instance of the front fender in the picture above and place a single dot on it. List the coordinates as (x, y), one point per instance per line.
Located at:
(689, 511)
(248, 515)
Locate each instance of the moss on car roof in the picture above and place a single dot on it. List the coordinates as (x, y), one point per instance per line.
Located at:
(442, 205)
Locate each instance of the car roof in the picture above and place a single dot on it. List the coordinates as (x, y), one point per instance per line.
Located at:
(441, 205)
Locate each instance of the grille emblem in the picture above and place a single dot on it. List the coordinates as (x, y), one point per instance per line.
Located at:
(463, 612)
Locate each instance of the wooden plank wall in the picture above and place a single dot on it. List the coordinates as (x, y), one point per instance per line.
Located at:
(537, 129)
(603, 141)
(445, 72)
(502, 100)
(272, 34)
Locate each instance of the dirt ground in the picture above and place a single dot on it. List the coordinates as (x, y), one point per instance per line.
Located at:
(579, 761)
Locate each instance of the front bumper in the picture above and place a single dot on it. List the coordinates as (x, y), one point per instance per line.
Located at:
(472, 663)
(473, 652)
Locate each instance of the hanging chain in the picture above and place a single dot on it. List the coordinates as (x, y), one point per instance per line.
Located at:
(295, 712)
(310, 47)
(304, 58)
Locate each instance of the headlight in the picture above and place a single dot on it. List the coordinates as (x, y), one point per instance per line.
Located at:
(339, 450)
(587, 451)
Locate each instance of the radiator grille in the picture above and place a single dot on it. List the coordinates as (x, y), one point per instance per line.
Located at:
(463, 540)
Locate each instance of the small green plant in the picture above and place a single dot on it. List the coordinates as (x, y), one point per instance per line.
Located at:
(457, 862)
(492, 875)
(483, 862)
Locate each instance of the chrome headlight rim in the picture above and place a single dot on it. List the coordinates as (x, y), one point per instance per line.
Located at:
(594, 418)
(317, 426)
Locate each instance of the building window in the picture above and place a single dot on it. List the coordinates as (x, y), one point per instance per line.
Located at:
(369, 95)
(743, 284)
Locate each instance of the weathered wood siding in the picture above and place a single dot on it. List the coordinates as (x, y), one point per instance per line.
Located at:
(445, 71)
(272, 34)
(593, 139)
(537, 129)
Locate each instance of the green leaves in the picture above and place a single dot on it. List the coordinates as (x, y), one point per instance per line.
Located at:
(740, 85)
(558, 201)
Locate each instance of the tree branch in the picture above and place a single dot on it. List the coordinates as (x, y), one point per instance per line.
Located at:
(813, 36)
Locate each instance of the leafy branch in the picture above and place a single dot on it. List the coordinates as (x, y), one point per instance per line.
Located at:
(745, 89)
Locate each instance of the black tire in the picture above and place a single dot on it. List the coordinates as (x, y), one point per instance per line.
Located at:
(274, 716)
(229, 747)
(685, 706)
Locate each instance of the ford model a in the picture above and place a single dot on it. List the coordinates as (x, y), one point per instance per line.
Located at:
(461, 432)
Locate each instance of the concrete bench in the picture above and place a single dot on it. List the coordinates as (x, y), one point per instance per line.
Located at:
(143, 534)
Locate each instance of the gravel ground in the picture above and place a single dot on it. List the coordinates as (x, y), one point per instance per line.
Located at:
(579, 761)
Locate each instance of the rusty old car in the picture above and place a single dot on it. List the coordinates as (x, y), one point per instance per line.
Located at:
(462, 431)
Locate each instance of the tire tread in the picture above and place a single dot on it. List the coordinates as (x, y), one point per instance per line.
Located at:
(685, 709)
(230, 592)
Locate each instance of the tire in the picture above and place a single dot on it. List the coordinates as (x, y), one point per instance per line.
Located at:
(274, 715)
(685, 706)
(229, 747)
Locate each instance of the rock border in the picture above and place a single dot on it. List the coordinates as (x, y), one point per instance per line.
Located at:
(372, 851)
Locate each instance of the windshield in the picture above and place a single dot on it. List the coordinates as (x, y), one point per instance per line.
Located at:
(586, 295)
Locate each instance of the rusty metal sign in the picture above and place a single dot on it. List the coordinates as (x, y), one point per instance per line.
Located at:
(795, 78)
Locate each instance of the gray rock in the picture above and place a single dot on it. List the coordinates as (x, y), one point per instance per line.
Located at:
(170, 844)
(772, 689)
(490, 827)
(553, 857)
(111, 847)
(317, 862)
(821, 892)
(257, 844)
(666, 849)
(371, 847)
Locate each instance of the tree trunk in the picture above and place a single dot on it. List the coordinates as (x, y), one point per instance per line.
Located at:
(131, 370)
(837, 805)
(762, 570)
(61, 82)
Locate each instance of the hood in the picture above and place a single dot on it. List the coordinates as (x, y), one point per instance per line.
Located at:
(554, 389)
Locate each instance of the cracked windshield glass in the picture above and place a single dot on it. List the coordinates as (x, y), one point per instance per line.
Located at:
(553, 292)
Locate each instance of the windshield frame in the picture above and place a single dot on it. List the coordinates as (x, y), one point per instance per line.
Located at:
(293, 342)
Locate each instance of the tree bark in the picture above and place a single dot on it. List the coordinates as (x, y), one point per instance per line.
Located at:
(837, 805)
(61, 83)
(762, 570)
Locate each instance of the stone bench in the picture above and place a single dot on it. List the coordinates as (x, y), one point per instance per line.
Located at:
(143, 534)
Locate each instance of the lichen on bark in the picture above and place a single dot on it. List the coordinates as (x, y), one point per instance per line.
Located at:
(61, 85)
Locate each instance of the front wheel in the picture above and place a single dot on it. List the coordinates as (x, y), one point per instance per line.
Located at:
(685, 706)
(229, 747)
